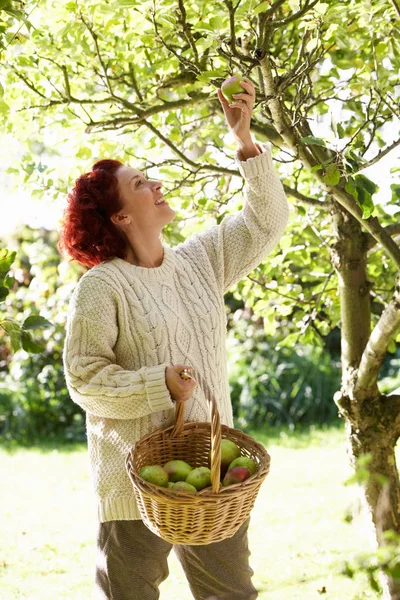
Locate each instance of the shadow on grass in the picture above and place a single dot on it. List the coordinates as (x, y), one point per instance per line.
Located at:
(297, 437)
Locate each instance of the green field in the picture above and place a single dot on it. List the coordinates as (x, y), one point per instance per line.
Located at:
(299, 536)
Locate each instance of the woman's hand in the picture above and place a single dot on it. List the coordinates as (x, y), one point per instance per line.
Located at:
(238, 114)
(179, 389)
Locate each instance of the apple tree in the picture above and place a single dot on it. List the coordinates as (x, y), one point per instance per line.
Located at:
(137, 80)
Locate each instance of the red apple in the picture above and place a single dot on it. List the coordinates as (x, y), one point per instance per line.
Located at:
(236, 475)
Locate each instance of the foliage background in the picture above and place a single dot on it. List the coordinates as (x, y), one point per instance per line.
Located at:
(140, 85)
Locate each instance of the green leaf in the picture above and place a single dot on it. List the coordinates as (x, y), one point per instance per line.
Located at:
(331, 176)
(6, 260)
(8, 281)
(351, 188)
(316, 168)
(310, 140)
(3, 293)
(367, 184)
(373, 583)
(365, 202)
(15, 341)
(9, 325)
(395, 187)
(13, 329)
(321, 8)
(362, 188)
(301, 210)
(263, 7)
(311, 45)
(4, 108)
(204, 43)
(289, 341)
(29, 345)
(340, 131)
(36, 322)
(84, 153)
(394, 569)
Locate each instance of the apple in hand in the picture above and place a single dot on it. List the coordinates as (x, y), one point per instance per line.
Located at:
(236, 475)
(232, 86)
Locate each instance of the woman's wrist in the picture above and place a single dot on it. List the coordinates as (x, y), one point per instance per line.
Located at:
(247, 148)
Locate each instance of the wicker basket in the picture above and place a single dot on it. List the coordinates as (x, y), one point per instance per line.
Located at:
(213, 514)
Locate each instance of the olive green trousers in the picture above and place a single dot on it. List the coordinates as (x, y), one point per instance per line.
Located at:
(132, 562)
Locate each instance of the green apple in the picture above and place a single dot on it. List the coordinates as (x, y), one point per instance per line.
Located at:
(183, 486)
(200, 478)
(170, 485)
(244, 461)
(236, 475)
(229, 451)
(155, 474)
(232, 86)
(177, 470)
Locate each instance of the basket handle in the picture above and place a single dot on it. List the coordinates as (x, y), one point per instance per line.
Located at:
(215, 425)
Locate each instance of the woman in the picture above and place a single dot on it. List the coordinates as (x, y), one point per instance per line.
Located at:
(142, 314)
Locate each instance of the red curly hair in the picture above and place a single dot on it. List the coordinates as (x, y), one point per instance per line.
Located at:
(87, 233)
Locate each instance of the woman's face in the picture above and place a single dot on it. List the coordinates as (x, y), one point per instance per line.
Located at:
(143, 205)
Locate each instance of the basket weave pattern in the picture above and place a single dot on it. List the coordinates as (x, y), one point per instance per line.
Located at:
(213, 514)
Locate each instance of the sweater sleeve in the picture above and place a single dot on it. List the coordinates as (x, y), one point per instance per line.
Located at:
(242, 241)
(94, 379)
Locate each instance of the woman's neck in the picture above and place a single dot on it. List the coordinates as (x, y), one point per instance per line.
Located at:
(148, 255)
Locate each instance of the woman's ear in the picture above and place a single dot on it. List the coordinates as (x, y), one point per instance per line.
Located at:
(118, 218)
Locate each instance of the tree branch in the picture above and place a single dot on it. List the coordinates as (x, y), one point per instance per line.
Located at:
(396, 6)
(66, 82)
(391, 230)
(305, 199)
(135, 85)
(145, 113)
(378, 342)
(182, 156)
(283, 22)
(186, 31)
(182, 60)
(292, 139)
(277, 4)
(28, 83)
(378, 157)
(95, 37)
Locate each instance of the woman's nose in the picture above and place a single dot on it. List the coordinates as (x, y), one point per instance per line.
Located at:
(157, 185)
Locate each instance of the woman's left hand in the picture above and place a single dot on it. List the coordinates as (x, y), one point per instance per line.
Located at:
(238, 114)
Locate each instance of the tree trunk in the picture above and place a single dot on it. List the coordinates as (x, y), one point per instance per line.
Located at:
(372, 420)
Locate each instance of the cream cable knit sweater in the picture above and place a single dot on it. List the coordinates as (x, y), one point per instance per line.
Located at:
(126, 324)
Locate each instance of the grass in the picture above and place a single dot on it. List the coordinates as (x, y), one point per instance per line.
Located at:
(299, 536)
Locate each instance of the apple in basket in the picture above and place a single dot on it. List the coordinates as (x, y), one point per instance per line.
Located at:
(154, 474)
(244, 461)
(236, 475)
(183, 486)
(177, 470)
(229, 451)
(200, 478)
